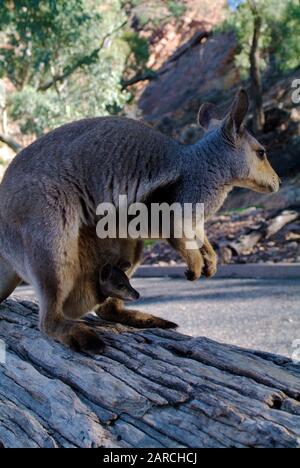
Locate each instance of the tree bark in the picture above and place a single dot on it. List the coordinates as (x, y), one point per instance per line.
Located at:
(150, 388)
(255, 75)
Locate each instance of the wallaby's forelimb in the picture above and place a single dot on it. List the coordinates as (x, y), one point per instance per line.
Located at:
(192, 258)
(210, 258)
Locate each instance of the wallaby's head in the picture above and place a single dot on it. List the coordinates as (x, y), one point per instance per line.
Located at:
(115, 283)
(246, 157)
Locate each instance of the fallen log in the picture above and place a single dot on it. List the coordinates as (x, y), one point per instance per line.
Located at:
(286, 217)
(265, 230)
(150, 388)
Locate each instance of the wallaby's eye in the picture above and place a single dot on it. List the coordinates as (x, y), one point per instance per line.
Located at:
(261, 154)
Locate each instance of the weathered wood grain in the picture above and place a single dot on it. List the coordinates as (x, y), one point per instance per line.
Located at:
(265, 230)
(150, 388)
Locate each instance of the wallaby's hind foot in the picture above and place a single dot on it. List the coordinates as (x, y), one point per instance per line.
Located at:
(9, 280)
(113, 311)
(77, 336)
(137, 319)
(82, 338)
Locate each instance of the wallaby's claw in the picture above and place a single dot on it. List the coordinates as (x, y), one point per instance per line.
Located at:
(191, 275)
(210, 267)
(209, 272)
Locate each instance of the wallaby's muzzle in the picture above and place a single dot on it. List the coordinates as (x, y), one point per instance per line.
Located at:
(133, 295)
(261, 177)
(264, 177)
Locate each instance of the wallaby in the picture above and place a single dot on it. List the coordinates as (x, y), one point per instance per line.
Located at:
(93, 287)
(114, 283)
(89, 291)
(51, 189)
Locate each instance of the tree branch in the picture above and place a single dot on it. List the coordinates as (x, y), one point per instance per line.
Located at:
(139, 77)
(255, 76)
(11, 142)
(83, 61)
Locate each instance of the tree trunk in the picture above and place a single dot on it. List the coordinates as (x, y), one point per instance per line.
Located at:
(150, 388)
(255, 75)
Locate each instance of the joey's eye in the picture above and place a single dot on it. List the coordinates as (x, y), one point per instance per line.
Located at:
(261, 154)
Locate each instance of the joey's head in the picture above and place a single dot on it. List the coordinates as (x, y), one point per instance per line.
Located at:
(115, 283)
(245, 156)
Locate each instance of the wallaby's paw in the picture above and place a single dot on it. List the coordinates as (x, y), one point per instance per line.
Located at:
(83, 339)
(192, 275)
(137, 319)
(210, 267)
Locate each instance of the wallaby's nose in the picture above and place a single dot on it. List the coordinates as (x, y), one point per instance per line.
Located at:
(136, 295)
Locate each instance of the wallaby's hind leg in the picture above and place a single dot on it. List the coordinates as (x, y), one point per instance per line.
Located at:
(76, 335)
(9, 280)
(52, 293)
(113, 311)
(53, 267)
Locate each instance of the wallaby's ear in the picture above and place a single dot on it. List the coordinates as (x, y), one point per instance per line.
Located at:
(207, 113)
(124, 265)
(237, 115)
(106, 272)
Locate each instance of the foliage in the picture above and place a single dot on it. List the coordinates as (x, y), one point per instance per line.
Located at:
(279, 35)
(145, 16)
(64, 57)
(289, 48)
(69, 59)
(176, 8)
(35, 111)
(138, 46)
(154, 12)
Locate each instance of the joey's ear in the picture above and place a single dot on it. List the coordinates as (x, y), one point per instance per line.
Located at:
(124, 265)
(235, 119)
(106, 272)
(207, 113)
